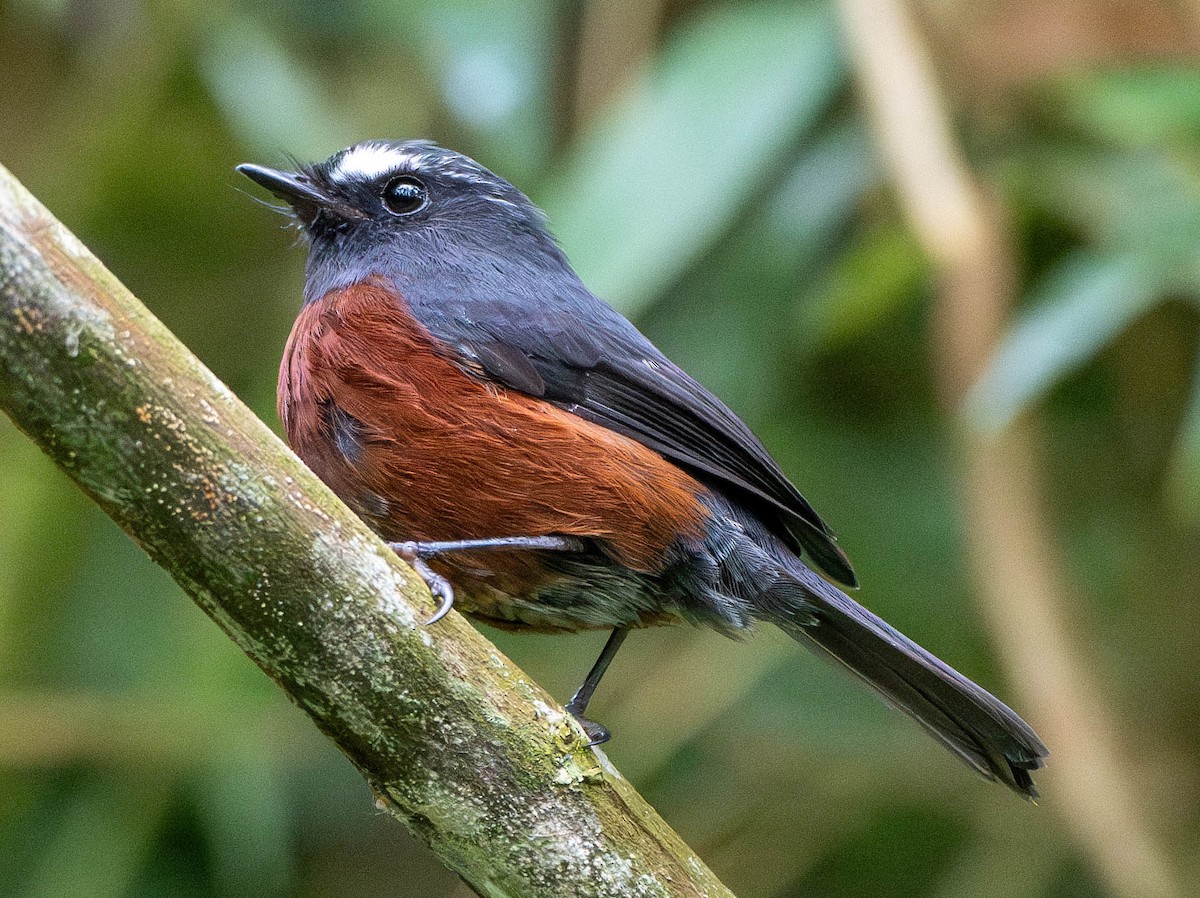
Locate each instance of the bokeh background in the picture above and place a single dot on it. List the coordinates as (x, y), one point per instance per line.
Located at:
(713, 169)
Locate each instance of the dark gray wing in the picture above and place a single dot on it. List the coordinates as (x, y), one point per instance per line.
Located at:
(584, 357)
(660, 406)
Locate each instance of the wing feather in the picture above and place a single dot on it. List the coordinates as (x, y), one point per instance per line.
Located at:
(583, 356)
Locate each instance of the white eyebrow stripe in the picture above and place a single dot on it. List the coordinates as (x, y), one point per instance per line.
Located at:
(369, 160)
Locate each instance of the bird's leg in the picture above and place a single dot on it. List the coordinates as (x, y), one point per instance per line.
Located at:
(597, 733)
(415, 554)
(430, 549)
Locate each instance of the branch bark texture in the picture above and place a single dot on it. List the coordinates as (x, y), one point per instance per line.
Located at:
(455, 741)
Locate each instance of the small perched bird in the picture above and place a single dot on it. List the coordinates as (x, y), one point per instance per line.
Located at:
(540, 462)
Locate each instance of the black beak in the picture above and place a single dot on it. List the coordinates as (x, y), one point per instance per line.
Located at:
(295, 190)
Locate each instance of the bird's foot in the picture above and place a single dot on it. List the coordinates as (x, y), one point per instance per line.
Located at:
(438, 585)
(415, 554)
(597, 733)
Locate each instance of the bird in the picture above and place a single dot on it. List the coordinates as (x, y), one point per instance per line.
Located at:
(541, 463)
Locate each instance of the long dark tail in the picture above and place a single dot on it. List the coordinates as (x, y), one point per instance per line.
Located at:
(967, 719)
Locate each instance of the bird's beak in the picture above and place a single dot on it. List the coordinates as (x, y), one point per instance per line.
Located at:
(294, 189)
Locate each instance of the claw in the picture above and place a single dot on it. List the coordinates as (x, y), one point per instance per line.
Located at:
(597, 733)
(438, 585)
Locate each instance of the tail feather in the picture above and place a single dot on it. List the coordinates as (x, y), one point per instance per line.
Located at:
(964, 717)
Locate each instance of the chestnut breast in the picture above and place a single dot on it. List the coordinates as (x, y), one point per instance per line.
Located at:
(423, 450)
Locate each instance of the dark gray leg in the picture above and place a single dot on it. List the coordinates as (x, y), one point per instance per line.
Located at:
(429, 550)
(597, 733)
(415, 554)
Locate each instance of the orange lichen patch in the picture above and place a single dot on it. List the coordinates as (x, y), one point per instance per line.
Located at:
(23, 320)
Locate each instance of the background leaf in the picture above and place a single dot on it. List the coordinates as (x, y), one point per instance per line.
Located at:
(666, 173)
(1084, 305)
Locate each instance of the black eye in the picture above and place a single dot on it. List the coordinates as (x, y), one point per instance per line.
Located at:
(404, 195)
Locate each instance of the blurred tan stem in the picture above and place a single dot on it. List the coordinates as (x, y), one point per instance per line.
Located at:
(615, 38)
(1023, 588)
(455, 741)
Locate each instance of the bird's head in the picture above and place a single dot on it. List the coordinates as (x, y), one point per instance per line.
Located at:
(400, 208)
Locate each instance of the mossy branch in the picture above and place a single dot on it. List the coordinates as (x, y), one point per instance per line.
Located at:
(455, 741)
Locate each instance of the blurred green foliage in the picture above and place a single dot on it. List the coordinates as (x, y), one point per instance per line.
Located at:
(728, 196)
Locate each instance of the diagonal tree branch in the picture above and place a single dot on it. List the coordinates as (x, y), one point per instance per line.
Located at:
(455, 740)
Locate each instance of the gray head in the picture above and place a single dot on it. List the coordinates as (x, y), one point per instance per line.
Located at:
(406, 208)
